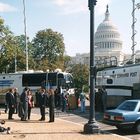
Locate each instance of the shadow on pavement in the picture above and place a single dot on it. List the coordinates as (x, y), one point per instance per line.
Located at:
(98, 115)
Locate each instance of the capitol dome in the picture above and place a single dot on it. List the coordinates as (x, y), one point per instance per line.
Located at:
(107, 36)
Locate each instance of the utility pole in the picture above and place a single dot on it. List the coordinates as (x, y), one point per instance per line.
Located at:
(25, 32)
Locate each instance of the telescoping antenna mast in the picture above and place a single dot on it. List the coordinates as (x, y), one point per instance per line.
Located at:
(133, 32)
(24, 13)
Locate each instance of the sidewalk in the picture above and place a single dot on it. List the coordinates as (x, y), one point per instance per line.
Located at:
(59, 130)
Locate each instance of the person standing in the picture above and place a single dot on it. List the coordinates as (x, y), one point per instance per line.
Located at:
(16, 96)
(11, 103)
(77, 97)
(104, 98)
(64, 100)
(56, 97)
(42, 103)
(51, 105)
(57, 94)
(24, 102)
(30, 103)
(6, 101)
(82, 98)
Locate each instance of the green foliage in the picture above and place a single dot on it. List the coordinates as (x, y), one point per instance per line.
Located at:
(80, 73)
(7, 47)
(45, 51)
(85, 88)
(22, 46)
(49, 45)
(67, 60)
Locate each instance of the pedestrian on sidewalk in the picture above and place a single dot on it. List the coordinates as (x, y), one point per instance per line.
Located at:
(51, 105)
(82, 98)
(16, 96)
(24, 104)
(30, 103)
(104, 98)
(77, 97)
(64, 100)
(6, 101)
(42, 98)
(11, 103)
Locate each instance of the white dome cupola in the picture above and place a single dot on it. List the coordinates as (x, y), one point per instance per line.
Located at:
(107, 36)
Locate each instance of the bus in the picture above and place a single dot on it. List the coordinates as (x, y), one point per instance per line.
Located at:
(121, 83)
(34, 81)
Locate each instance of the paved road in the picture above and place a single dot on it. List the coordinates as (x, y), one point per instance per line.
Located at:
(82, 118)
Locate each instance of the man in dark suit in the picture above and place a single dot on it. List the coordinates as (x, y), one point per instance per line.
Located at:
(11, 103)
(51, 105)
(42, 103)
(6, 101)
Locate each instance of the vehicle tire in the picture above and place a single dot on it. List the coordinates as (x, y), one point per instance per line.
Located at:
(137, 127)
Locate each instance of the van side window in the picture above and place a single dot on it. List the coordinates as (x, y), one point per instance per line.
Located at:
(109, 81)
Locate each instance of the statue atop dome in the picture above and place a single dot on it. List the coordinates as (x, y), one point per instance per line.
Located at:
(107, 11)
(107, 14)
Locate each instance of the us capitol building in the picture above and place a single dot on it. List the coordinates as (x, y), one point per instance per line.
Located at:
(108, 45)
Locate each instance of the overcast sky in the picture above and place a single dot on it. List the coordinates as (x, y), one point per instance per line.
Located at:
(70, 18)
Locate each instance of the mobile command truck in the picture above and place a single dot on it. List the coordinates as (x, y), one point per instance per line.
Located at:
(121, 83)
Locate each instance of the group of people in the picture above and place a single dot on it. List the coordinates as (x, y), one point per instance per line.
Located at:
(26, 102)
(100, 99)
(42, 101)
(23, 104)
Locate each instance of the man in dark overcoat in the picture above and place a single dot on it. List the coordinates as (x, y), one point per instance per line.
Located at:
(11, 103)
(51, 105)
(42, 98)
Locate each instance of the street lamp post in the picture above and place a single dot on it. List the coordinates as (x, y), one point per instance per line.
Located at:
(92, 127)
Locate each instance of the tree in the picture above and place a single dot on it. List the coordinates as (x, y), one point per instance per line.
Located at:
(67, 60)
(12, 50)
(80, 73)
(49, 46)
(22, 46)
(7, 46)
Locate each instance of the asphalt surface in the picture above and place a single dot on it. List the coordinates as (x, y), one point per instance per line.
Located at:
(82, 118)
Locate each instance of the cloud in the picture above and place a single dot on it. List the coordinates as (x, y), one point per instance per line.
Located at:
(6, 8)
(78, 6)
(71, 6)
